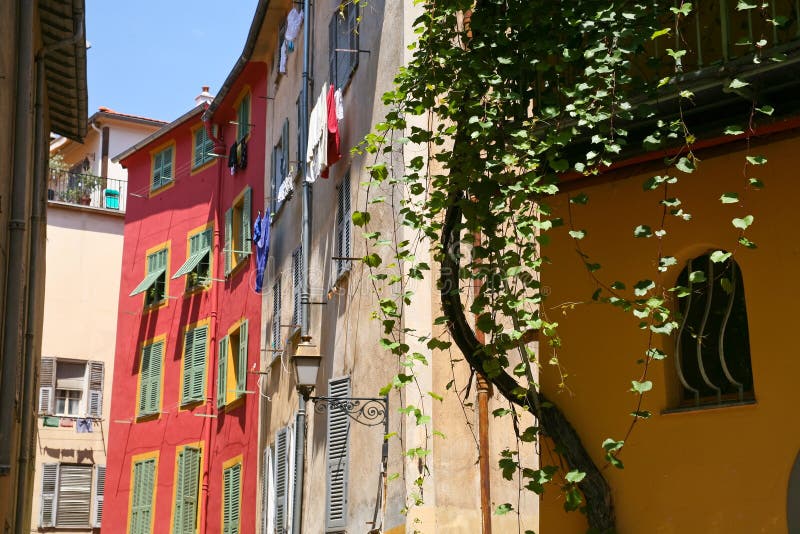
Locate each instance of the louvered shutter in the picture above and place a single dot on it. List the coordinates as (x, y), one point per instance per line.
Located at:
(188, 364)
(268, 496)
(296, 267)
(352, 37)
(186, 489)
(144, 478)
(96, 378)
(281, 468)
(47, 374)
(199, 358)
(247, 225)
(48, 496)
(236, 482)
(177, 522)
(226, 501)
(332, 54)
(222, 366)
(337, 458)
(74, 496)
(156, 361)
(343, 225)
(291, 473)
(166, 166)
(228, 249)
(241, 371)
(285, 150)
(99, 493)
(276, 315)
(144, 379)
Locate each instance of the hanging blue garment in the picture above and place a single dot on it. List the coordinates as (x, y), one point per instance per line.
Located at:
(261, 240)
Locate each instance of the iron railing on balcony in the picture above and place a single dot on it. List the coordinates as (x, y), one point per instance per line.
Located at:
(87, 190)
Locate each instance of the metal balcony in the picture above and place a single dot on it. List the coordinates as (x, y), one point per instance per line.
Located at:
(87, 190)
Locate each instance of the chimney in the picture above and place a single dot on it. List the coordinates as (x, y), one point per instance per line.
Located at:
(204, 97)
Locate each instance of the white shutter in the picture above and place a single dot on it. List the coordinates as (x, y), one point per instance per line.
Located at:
(338, 456)
(99, 492)
(280, 480)
(47, 373)
(47, 517)
(268, 498)
(74, 496)
(290, 476)
(95, 390)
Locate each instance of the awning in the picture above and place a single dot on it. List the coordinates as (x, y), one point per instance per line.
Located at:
(191, 263)
(148, 281)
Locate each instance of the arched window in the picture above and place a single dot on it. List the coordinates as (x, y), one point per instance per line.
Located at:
(712, 351)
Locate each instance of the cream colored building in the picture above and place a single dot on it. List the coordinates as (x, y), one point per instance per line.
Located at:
(84, 254)
(343, 487)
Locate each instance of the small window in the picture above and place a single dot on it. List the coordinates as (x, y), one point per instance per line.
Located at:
(71, 388)
(154, 285)
(162, 168)
(276, 315)
(71, 495)
(197, 267)
(187, 485)
(150, 378)
(143, 484)
(195, 352)
(712, 353)
(238, 230)
(231, 498)
(343, 226)
(203, 147)
(243, 118)
(279, 171)
(232, 365)
(343, 43)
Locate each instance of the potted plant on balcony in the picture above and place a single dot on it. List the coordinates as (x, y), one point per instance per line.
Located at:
(80, 189)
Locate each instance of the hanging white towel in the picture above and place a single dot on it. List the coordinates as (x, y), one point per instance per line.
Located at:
(317, 151)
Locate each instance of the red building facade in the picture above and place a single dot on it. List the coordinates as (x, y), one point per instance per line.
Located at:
(184, 416)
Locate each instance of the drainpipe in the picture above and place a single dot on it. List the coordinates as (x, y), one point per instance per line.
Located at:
(16, 280)
(484, 392)
(219, 148)
(27, 433)
(300, 427)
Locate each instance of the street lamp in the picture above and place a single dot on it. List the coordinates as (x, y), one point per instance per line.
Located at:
(368, 411)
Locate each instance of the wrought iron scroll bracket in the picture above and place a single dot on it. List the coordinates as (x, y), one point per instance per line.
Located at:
(368, 411)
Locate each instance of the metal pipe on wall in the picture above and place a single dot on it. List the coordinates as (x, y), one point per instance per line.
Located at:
(300, 427)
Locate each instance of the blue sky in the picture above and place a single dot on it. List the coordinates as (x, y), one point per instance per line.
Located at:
(151, 57)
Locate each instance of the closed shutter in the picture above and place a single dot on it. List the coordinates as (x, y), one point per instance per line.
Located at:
(228, 249)
(232, 479)
(285, 150)
(47, 373)
(74, 496)
(296, 267)
(194, 365)
(247, 225)
(99, 493)
(241, 376)
(281, 468)
(268, 496)
(186, 489)
(333, 56)
(144, 478)
(243, 118)
(150, 380)
(96, 378)
(166, 166)
(343, 225)
(47, 517)
(276, 315)
(291, 473)
(222, 366)
(337, 458)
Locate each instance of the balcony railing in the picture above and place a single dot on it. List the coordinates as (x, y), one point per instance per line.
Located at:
(87, 190)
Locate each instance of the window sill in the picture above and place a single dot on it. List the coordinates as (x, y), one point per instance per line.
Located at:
(710, 407)
(196, 290)
(187, 406)
(341, 278)
(145, 417)
(156, 305)
(233, 404)
(161, 188)
(240, 266)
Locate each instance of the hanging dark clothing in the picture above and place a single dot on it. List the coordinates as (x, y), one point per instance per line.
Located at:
(232, 157)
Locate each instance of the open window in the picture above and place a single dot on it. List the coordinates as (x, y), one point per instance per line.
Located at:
(197, 267)
(238, 228)
(71, 495)
(154, 285)
(71, 388)
(232, 365)
(712, 352)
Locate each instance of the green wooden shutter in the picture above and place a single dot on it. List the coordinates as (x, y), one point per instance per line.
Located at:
(247, 228)
(144, 478)
(177, 522)
(222, 366)
(194, 365)
(150, 380)
(241, 372)
(231, 499)
(188, 364)
(338, 455)
(186, 488)
(228, 249)
(47, 517)
(96, 379)
(47, 376)
(144, 378)
(166, 166)
(243, 118)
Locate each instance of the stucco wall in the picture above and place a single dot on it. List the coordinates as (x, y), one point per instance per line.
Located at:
(715, 470)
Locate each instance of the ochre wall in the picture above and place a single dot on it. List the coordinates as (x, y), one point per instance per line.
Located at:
(712, 471)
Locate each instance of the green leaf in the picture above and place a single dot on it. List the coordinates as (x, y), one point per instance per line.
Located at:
(641, 387)
(747, 243)
(742, 6)
(372, 260)
(659, 33)
(755, 183)
(360, 218)
(577, 234)
(642, 287)
(756, 160)
(766, 110)
(655, 354)
(743, 223)
(719, 256)
(581, 198)
(575, 476)
(642, 414)
(729, 198)
(733, 130)
(642, 231)
(697, 277)
(737, 84)
(503, 509)
(685, 165)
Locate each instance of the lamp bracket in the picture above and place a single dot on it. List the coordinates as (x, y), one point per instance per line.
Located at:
(367, 411)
